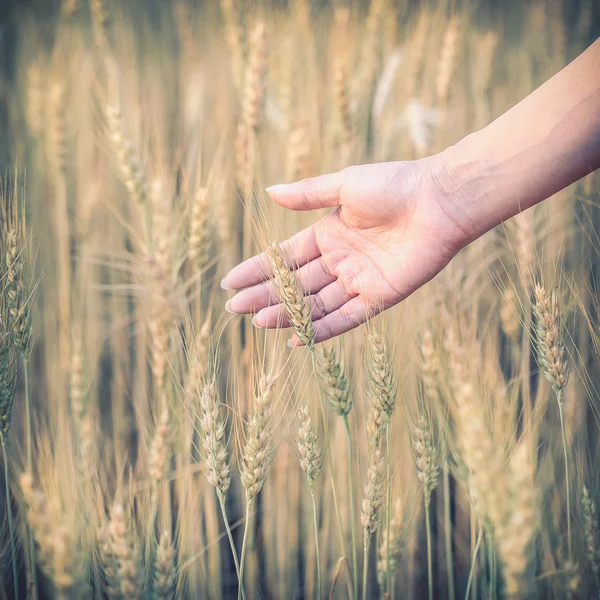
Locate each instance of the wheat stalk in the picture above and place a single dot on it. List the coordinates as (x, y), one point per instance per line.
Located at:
(334, 386)
(509, 318)
(235, 39)
(258, 449)
(592, 534)
(299, 153)
(311, 454)
(257, 455)
(165, 571)
(199, 237)
(7, 394)
(311, 462)
(392, 545)
(218, 472)
(99, 14)
(372, 500)
(425, 457)
(158, 461)
(57, 552)
(212, 431)
(252, 98)
(342, 109)
(35, 98)
(381, 376)
(447, 62)
(550, 348)
(58, 134)
(554, 366)
(515, 533)
(108, 561)
(127, 159)
(430, 369)
(124, 548)
(332, 376)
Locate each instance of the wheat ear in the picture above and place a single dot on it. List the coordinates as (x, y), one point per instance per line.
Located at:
(199, 240)
(126, 553)
(235, 39)
(515, 533)
(425, 457)
(257, 455)
(311, 462)
(127, 159)
(447, 62)
(592, 534)
(290, 296)
(218, 472)
(334, 383)
(54, 537)
(158, 461)
(165, 571)
(553, 364)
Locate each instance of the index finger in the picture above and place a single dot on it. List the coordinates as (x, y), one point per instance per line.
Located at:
(297, 251)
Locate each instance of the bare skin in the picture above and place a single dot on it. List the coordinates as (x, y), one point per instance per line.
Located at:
(394, 226)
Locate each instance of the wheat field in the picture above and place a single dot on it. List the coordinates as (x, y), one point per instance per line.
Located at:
(156, 446)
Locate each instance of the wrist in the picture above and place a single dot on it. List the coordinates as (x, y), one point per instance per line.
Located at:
(463, 176)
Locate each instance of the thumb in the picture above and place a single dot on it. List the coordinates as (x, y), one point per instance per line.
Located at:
(309, 194)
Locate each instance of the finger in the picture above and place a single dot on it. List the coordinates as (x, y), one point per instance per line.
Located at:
(352, 314)
(298, 250)
(309, 194)
(313, 276)
(328, 300)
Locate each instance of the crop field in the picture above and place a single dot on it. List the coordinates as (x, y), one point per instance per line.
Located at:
(154, 445)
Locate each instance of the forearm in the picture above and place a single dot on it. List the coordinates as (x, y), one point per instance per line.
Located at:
(543, 144)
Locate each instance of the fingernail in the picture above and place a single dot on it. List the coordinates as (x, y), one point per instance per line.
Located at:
(276, 188)
(255, 322)
(228, 306)
(224, 286)
(291, 343)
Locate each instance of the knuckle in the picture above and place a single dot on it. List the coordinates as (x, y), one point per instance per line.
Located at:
(323, 332)
(319, 309)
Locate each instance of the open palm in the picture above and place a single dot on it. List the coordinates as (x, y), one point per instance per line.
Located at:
(388, 233)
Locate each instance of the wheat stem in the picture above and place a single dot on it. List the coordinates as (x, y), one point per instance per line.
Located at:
(326, 450)
(30, 541)
(243, 557)
(352, 510)
(448, 530)
(429, 555)
(491, 554)
(473, 563)
(28, 416)
(561, 412)
(367, 546)
(231, 542)
(388, 508)
(11, 527)
(316, 526)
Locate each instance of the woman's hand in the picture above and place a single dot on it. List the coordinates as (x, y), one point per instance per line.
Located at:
(390, 231)
(394, 226)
